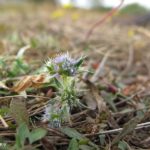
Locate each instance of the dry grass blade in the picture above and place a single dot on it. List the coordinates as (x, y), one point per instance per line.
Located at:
(2, 85)
(100, 68)
(29, 81)
(129, 62)
(3, 122)
(139, 126)
(128, 128)
(143, 31)
(103, 20)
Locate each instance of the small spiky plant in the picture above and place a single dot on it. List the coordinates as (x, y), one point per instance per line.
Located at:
(64, 69)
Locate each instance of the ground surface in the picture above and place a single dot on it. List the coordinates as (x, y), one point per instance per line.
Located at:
(123, 82)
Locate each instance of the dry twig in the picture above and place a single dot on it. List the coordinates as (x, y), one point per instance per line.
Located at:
(101, 21)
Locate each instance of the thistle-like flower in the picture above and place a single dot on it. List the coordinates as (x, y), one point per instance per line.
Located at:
(63, 65)
(63, 69)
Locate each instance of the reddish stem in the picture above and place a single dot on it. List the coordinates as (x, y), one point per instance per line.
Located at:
(109, 14)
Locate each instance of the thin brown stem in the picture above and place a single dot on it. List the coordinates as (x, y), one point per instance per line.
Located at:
(101, 21)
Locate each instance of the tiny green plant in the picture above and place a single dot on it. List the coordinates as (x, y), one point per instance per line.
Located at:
(14, 66)
(63, 70)
(23, 134)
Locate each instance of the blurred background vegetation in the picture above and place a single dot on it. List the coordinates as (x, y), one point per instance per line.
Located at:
(133, 8)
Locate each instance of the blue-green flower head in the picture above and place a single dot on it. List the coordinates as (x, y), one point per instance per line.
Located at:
(64, 65)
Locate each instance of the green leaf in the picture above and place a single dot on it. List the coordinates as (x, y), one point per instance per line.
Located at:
(84, 141)
(22, 134)
(73, 145)
(4, 111)
(18, 67)
(79, 62)
(102, 139)
(57, 83)
(34, 42)
(72, 133)
(109, 98)
(86, 147)
(37, 134)
(122, 145)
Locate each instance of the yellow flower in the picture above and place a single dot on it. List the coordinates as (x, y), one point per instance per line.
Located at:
(131, 33)
(58, 14)
(68, 6)
(75, 16)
